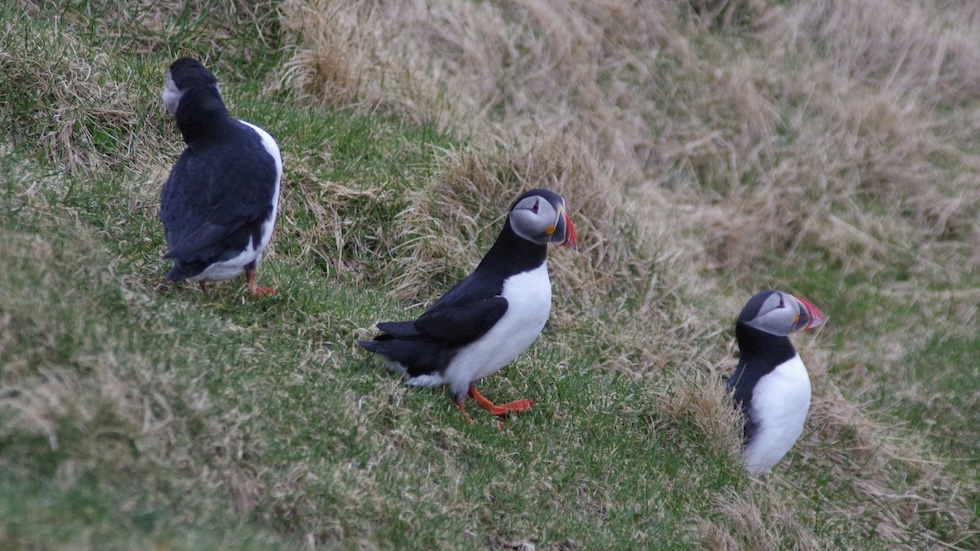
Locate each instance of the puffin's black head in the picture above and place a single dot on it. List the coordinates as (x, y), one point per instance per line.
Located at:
(184, 75)
(539, 216)
(780, 313)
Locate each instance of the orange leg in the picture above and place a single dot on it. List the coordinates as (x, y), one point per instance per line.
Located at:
(250, 274)
(462, 409)
(204, 285)
(517, 406)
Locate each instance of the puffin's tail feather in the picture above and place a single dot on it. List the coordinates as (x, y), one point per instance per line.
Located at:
(183, 270)
(398, 329)
(370, 346)
(416, 357)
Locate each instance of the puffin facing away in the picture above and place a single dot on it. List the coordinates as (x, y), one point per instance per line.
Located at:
(771, 384)
(219, 204)
(489, 317)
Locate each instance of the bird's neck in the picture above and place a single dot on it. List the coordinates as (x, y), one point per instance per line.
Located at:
(760, 348)
(512, 254)
(201, 113)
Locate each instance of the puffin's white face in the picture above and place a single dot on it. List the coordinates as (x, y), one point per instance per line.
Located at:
(534, 218)
(171, 95)
(781, 314)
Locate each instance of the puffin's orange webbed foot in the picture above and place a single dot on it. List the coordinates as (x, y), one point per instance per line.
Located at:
(517, 406)
(253, 287)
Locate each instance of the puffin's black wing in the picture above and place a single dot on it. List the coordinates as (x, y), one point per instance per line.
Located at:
(741, 384)
(463, 323)
(466, 311)
(428, 344)
(448, 326)
(459, 317)
(215, 194)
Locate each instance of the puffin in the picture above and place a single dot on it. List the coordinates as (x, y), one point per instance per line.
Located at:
(219, 204)
(771, 385)
(489, 317)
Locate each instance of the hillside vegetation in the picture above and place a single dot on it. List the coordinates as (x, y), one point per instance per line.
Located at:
(706, 149)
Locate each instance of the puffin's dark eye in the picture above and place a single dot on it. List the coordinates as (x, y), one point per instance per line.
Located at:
(534, 209)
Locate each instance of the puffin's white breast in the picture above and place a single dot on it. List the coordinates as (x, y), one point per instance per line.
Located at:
(528, 297)
(780, 401)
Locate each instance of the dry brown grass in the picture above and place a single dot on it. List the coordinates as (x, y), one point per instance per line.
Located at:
(88, 117)
(143, 27)
(840, 131)
(756, 519)
(69, 103)
(576, 68)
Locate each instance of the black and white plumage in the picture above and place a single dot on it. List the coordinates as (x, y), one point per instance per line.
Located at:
(219, 204)
(771, 384)
(491, 316)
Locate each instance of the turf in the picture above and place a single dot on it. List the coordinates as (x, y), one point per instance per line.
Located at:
(140, 413)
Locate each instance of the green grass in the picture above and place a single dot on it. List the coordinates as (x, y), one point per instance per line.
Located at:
(136, 413)
(946, 365)
(283, 380)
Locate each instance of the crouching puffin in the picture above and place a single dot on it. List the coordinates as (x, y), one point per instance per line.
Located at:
(219, 204)
(771, 384)
(489, 317)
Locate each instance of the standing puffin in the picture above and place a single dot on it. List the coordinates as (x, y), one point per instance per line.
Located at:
(219, 204)
(489, 317)
(771, 384)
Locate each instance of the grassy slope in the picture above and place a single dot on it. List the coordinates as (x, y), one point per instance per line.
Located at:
(135, 413)
(269, 409)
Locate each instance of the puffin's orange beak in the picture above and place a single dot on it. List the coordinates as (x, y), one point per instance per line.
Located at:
(564, 231)
(809, 316)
